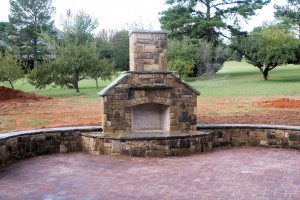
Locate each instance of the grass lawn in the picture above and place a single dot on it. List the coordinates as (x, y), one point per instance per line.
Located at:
(235, 79)
(242, 79)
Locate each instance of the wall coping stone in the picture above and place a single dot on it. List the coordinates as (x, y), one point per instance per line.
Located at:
(49, 130)
(257, 126)
(148, 135)
(92, 130)
(99, 128)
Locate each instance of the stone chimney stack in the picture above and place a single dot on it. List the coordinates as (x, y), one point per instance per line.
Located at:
(148, 50)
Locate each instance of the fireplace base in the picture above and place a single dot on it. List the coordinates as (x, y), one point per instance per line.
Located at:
(147, 144)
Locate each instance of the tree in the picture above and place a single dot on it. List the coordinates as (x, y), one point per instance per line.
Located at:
(269, 47)
(27, 20)
(182, 67)
(3, 32)
(290, 13)
(73, 64)
(206, 57)
(114, 46)
(207, 19)
(10, 70)
(77, 58)
(79, 29)
(121, 50)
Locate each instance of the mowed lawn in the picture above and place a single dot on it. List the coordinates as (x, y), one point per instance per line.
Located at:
(242, 79)
(234, 79)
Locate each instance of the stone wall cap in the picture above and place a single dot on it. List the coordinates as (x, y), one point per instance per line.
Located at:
(148, 135)
(49, 130)
(257, 126)
(149, 31)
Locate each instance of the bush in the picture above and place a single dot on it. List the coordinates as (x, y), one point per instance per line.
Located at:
(182, 67)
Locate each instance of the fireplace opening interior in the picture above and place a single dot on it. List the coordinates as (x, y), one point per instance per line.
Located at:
(150, 117)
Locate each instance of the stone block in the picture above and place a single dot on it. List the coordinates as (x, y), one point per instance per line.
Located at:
(163, 61)
(263, 143)
(294, 136)
(138, 151)
(107, 145)
(116, 146)
(163, 44)
(184, 143)
(63, 148)
(151, 67)
(149, 62)
(150, 48)
(155, 153)
(139, 48)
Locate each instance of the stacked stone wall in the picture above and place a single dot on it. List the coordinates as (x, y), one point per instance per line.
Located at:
(147, 147)
(19, 145)
(277, 137)
(24, 146)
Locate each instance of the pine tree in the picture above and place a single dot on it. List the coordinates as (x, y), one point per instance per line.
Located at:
(28, 19)
(207, 19)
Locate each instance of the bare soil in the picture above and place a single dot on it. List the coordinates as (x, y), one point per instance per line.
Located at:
(23, 111)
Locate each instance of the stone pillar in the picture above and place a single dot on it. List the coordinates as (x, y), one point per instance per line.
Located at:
(148, 50)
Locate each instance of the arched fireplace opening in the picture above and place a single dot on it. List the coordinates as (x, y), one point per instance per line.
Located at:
(150, 117)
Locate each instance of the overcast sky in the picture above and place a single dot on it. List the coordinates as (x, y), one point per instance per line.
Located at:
(114, 14)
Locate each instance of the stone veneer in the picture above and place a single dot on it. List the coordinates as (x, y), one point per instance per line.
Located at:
(254, 135)
(23, 144)
(138, 88)
(148, 50)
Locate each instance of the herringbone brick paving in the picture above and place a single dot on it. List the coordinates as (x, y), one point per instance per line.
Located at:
(234, 173)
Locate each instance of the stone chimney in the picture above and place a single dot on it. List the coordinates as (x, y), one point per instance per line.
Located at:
(148, 50)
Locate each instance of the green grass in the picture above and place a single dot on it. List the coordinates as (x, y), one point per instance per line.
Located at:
(37, 122)
(242, 79)
(6, 124)
(235, 79)
(87, 88)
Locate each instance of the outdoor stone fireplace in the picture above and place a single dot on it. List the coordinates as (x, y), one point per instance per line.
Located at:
(148, 98)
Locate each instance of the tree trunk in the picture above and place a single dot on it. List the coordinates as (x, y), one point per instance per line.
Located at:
(34, 52)
(265, 74)
(97, 85)
(76, 80)
(11, 85)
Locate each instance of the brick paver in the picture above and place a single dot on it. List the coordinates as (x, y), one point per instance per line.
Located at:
(235, 173)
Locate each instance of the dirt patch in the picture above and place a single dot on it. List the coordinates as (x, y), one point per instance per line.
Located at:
(280, 103)
(10, 94)
(29, 111)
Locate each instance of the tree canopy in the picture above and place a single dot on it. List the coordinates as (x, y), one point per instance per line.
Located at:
(290, 13)
(10, 69)
(269, 47)
(206, 57)
(27, 20)
(207, 19)
(77, 58)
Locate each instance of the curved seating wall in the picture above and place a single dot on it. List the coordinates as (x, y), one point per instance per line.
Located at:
(23, 144)
(254, 135)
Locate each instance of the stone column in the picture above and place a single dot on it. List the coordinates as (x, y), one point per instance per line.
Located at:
(148, 50)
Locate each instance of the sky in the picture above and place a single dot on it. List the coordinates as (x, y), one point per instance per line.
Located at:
(115, 14)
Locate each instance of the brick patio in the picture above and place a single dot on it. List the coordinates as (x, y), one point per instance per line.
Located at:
(235, 173)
